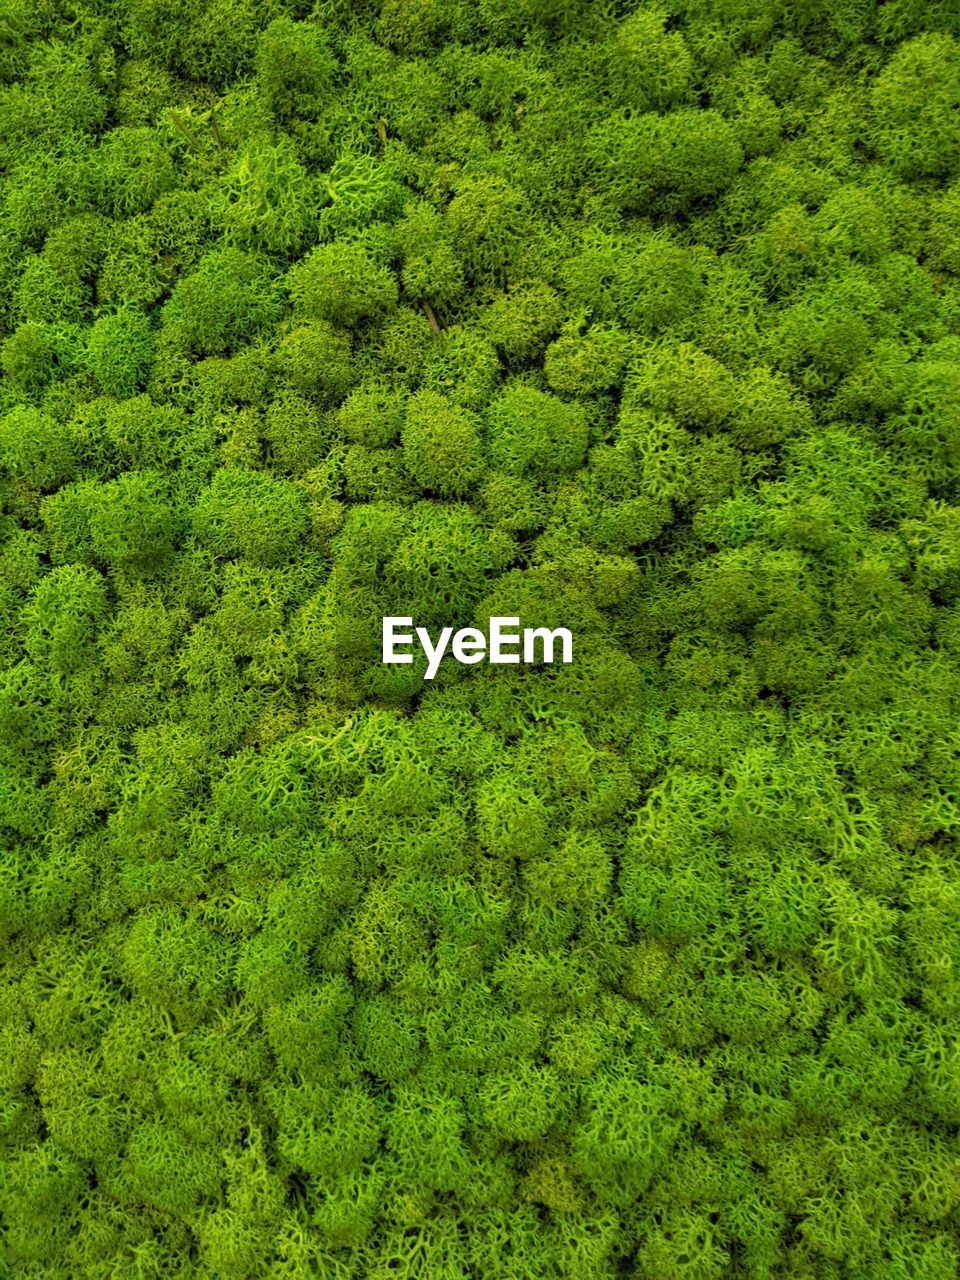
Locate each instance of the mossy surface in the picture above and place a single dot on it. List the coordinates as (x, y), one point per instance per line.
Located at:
(641, 320)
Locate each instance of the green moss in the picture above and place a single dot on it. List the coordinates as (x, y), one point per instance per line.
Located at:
(639, 320)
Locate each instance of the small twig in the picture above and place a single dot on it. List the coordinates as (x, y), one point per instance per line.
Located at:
(185, 129)
(428, 312)
(216, 129)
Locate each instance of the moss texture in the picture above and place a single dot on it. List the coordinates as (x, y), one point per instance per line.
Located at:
(641, 320)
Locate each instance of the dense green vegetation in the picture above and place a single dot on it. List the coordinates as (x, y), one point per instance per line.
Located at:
(642, 320)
